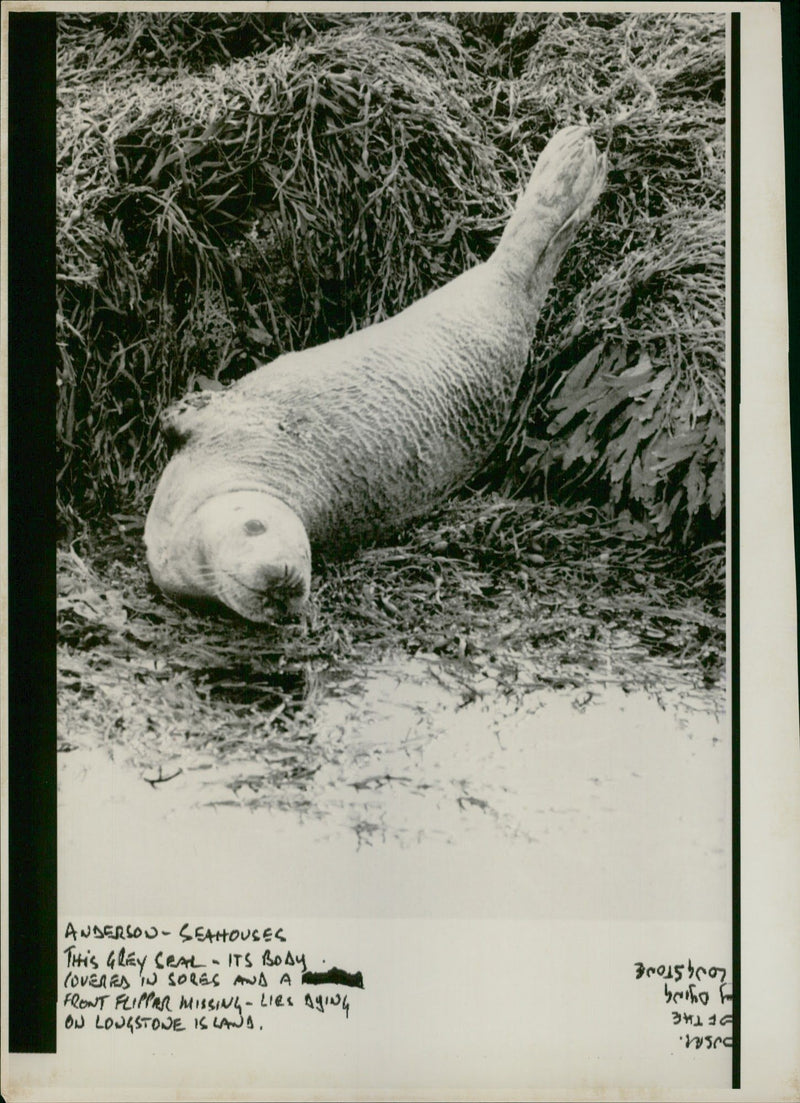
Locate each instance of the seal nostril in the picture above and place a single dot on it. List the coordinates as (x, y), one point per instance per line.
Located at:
(254, 528)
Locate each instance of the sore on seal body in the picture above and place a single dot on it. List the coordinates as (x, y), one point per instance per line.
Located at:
(351, 439)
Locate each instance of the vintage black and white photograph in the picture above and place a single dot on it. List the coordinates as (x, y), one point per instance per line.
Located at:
(395, 344)
(394, 376)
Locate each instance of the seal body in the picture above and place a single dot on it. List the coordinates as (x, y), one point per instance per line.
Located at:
(349, 440)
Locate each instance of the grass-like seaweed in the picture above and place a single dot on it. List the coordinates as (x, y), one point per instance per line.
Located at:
(233, 187)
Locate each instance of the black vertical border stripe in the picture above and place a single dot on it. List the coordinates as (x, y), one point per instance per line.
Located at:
(790, 45)
(734, 245)
(32, 903)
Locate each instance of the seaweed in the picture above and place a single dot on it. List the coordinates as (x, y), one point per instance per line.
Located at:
(234, 186)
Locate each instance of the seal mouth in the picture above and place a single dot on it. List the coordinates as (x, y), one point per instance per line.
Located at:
(280, 592)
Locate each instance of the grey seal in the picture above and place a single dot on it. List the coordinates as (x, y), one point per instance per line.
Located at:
(350, 440)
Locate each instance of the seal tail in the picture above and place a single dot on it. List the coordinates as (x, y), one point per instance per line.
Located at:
(566, 182)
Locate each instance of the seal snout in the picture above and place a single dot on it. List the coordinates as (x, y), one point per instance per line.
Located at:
(281, 587)
(258, 554)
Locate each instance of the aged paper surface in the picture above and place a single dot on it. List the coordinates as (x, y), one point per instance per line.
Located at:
(482, 970)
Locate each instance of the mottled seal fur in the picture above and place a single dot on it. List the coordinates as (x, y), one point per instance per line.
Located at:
(351, 439)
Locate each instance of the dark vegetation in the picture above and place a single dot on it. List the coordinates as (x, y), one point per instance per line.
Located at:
(234, 186)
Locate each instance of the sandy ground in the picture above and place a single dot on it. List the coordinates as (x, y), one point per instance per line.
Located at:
(432, 795)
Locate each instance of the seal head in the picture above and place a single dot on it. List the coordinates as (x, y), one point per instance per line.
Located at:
(242, 547)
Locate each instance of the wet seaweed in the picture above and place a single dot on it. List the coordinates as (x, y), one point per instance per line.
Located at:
(490, 582)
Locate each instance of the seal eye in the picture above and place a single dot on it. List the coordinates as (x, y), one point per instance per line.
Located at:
(254, 528)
